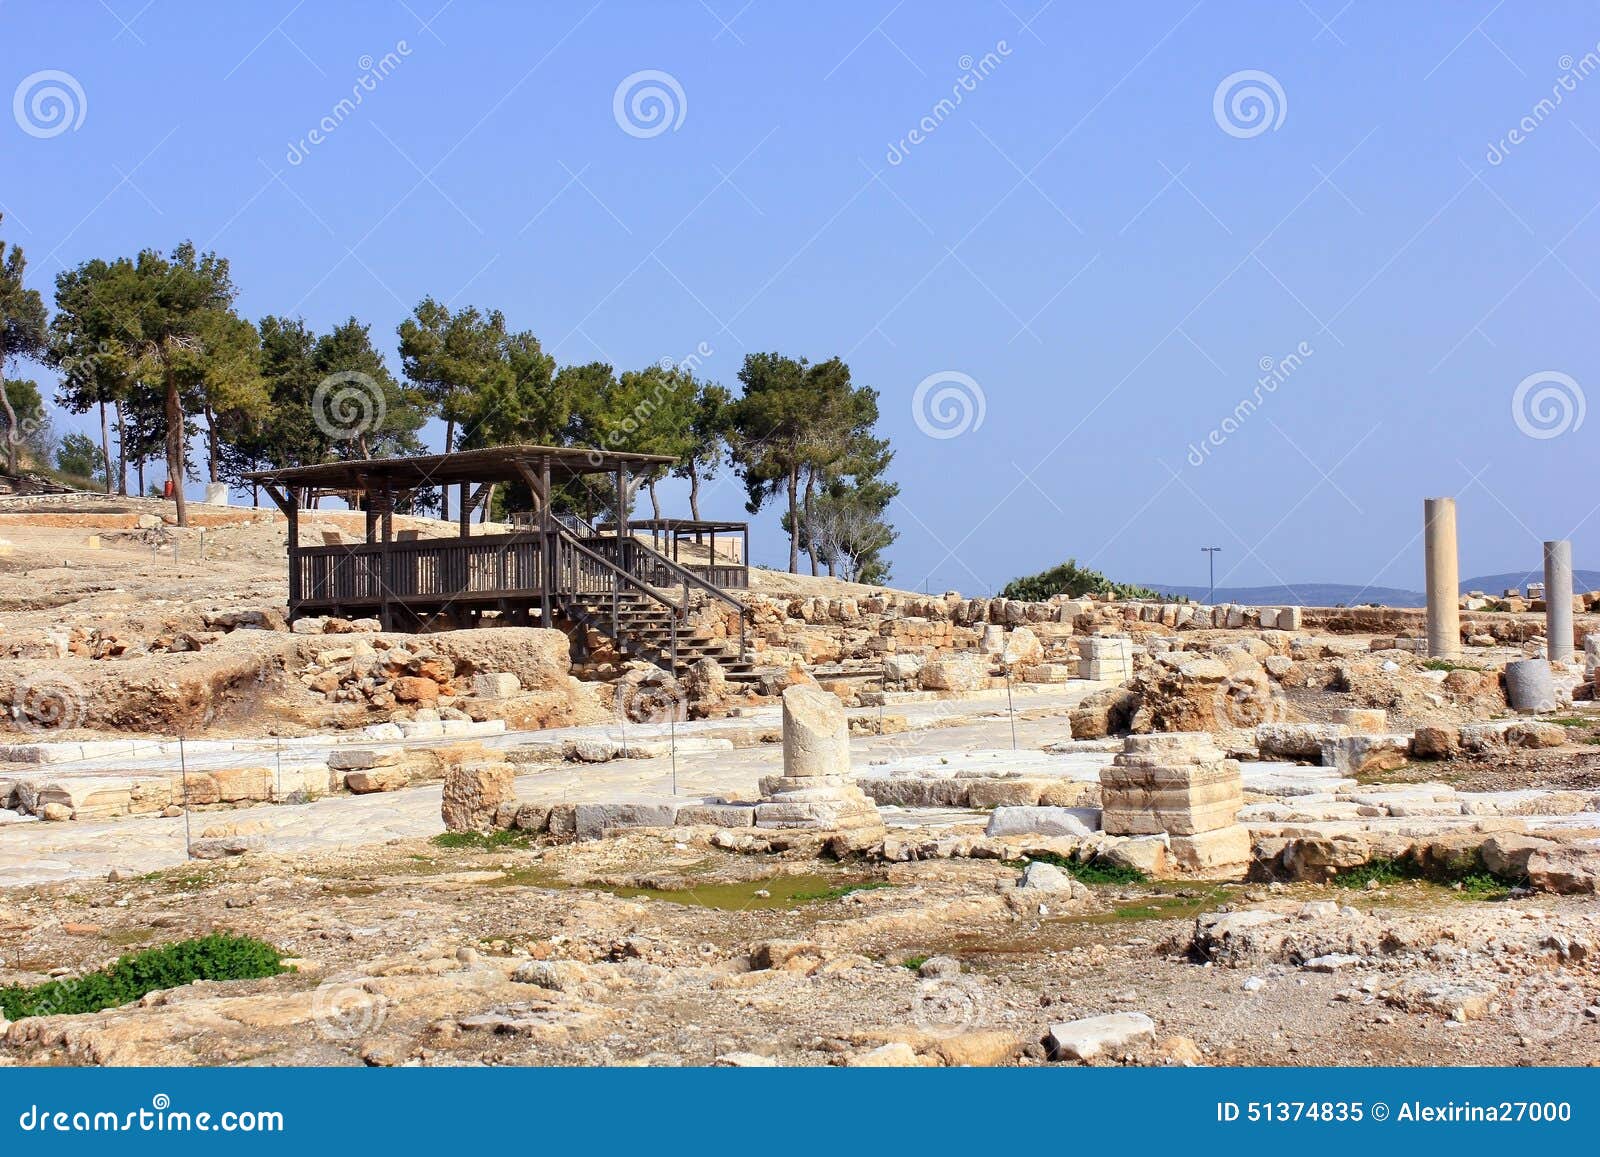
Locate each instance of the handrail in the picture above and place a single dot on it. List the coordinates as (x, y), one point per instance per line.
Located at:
(688, 577)
(672, 621)
(633, 580)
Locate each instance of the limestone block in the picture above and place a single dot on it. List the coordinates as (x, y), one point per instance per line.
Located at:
(592, 819)
(959, 672)
(363, 758)
(1086, 1039)
(473, 793)
(369, 781)
(1363, 720)
(1043, 821)
(1047, 673)
(1221, 854)
(495, 685)
(720, 815)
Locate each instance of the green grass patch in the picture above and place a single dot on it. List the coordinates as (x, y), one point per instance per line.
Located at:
(1382, 871)
(1573, 721)
(915, 962)
(216, 957)
(840, 891)
(1484, 886)
(1476, 883)
(1088, 872)
(1447, 665)
(481, 842)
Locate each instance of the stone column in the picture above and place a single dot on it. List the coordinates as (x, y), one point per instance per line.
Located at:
(1443, 578)
(816, 790)
(1558, 599)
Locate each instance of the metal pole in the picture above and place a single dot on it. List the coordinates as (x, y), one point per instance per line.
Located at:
(1211, 558)
(1011, 709)
(183, 771)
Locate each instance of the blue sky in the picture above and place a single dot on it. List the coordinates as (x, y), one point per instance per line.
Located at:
(1104, 254)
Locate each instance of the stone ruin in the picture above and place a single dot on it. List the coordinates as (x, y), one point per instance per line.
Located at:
(1181, 787)
(816, 791)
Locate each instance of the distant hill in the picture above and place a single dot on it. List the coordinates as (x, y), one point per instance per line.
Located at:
(1348, 594)
(1493, 584)
(1300, 594)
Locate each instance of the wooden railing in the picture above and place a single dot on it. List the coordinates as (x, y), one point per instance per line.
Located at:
(423, 569)
(517, 565)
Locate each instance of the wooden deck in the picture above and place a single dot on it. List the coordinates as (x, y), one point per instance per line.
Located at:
(504, 572)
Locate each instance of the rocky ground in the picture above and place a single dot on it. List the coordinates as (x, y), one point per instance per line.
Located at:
(410, 953)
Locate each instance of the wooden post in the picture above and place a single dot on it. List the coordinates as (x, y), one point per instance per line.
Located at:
(466, 512)
(547, 549)
(386, 557)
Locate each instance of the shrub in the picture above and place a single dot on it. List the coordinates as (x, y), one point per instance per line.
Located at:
(1071, 579)
(216, 957)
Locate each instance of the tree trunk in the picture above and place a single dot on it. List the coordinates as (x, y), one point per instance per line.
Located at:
(694, 492)
(213, 447)
(811, 534)
(122, 449)
(794, 520)
(655, 503)
(11, 427)
(139, 467)
(174, 411)
(105, 445)
(444, 491)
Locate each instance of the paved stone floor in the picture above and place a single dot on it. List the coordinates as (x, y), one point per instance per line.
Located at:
(975, 730)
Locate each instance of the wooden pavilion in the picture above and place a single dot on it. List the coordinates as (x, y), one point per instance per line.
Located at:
(551, 569)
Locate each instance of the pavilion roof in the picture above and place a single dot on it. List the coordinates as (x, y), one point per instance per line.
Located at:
(491, 464)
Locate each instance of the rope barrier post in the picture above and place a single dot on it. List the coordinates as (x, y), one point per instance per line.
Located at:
(183, 771)
(1011, 709)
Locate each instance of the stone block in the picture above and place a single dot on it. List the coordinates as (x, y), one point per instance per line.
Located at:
(592, 819)
(718, 815)
(1086, 1039)
(1043, 821)
(495, 685)
(473, 793)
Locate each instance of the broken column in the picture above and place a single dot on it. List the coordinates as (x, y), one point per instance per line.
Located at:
(1181, 785)
(1443, 577)
(816, 790)
(1558, 600)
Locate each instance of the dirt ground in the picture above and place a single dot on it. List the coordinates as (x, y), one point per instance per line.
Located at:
(407, 952)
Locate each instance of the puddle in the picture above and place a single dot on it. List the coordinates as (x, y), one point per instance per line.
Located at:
(781, 892)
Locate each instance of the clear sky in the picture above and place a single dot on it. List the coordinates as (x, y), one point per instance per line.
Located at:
(1096, 235)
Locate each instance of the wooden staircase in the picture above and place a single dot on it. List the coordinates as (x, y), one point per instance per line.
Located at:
(644, 630)
(622, 597)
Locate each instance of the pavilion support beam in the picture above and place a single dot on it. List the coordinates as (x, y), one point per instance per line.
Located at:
(466, 503)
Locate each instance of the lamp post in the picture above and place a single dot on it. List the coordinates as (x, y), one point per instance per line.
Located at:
(1211, 558)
